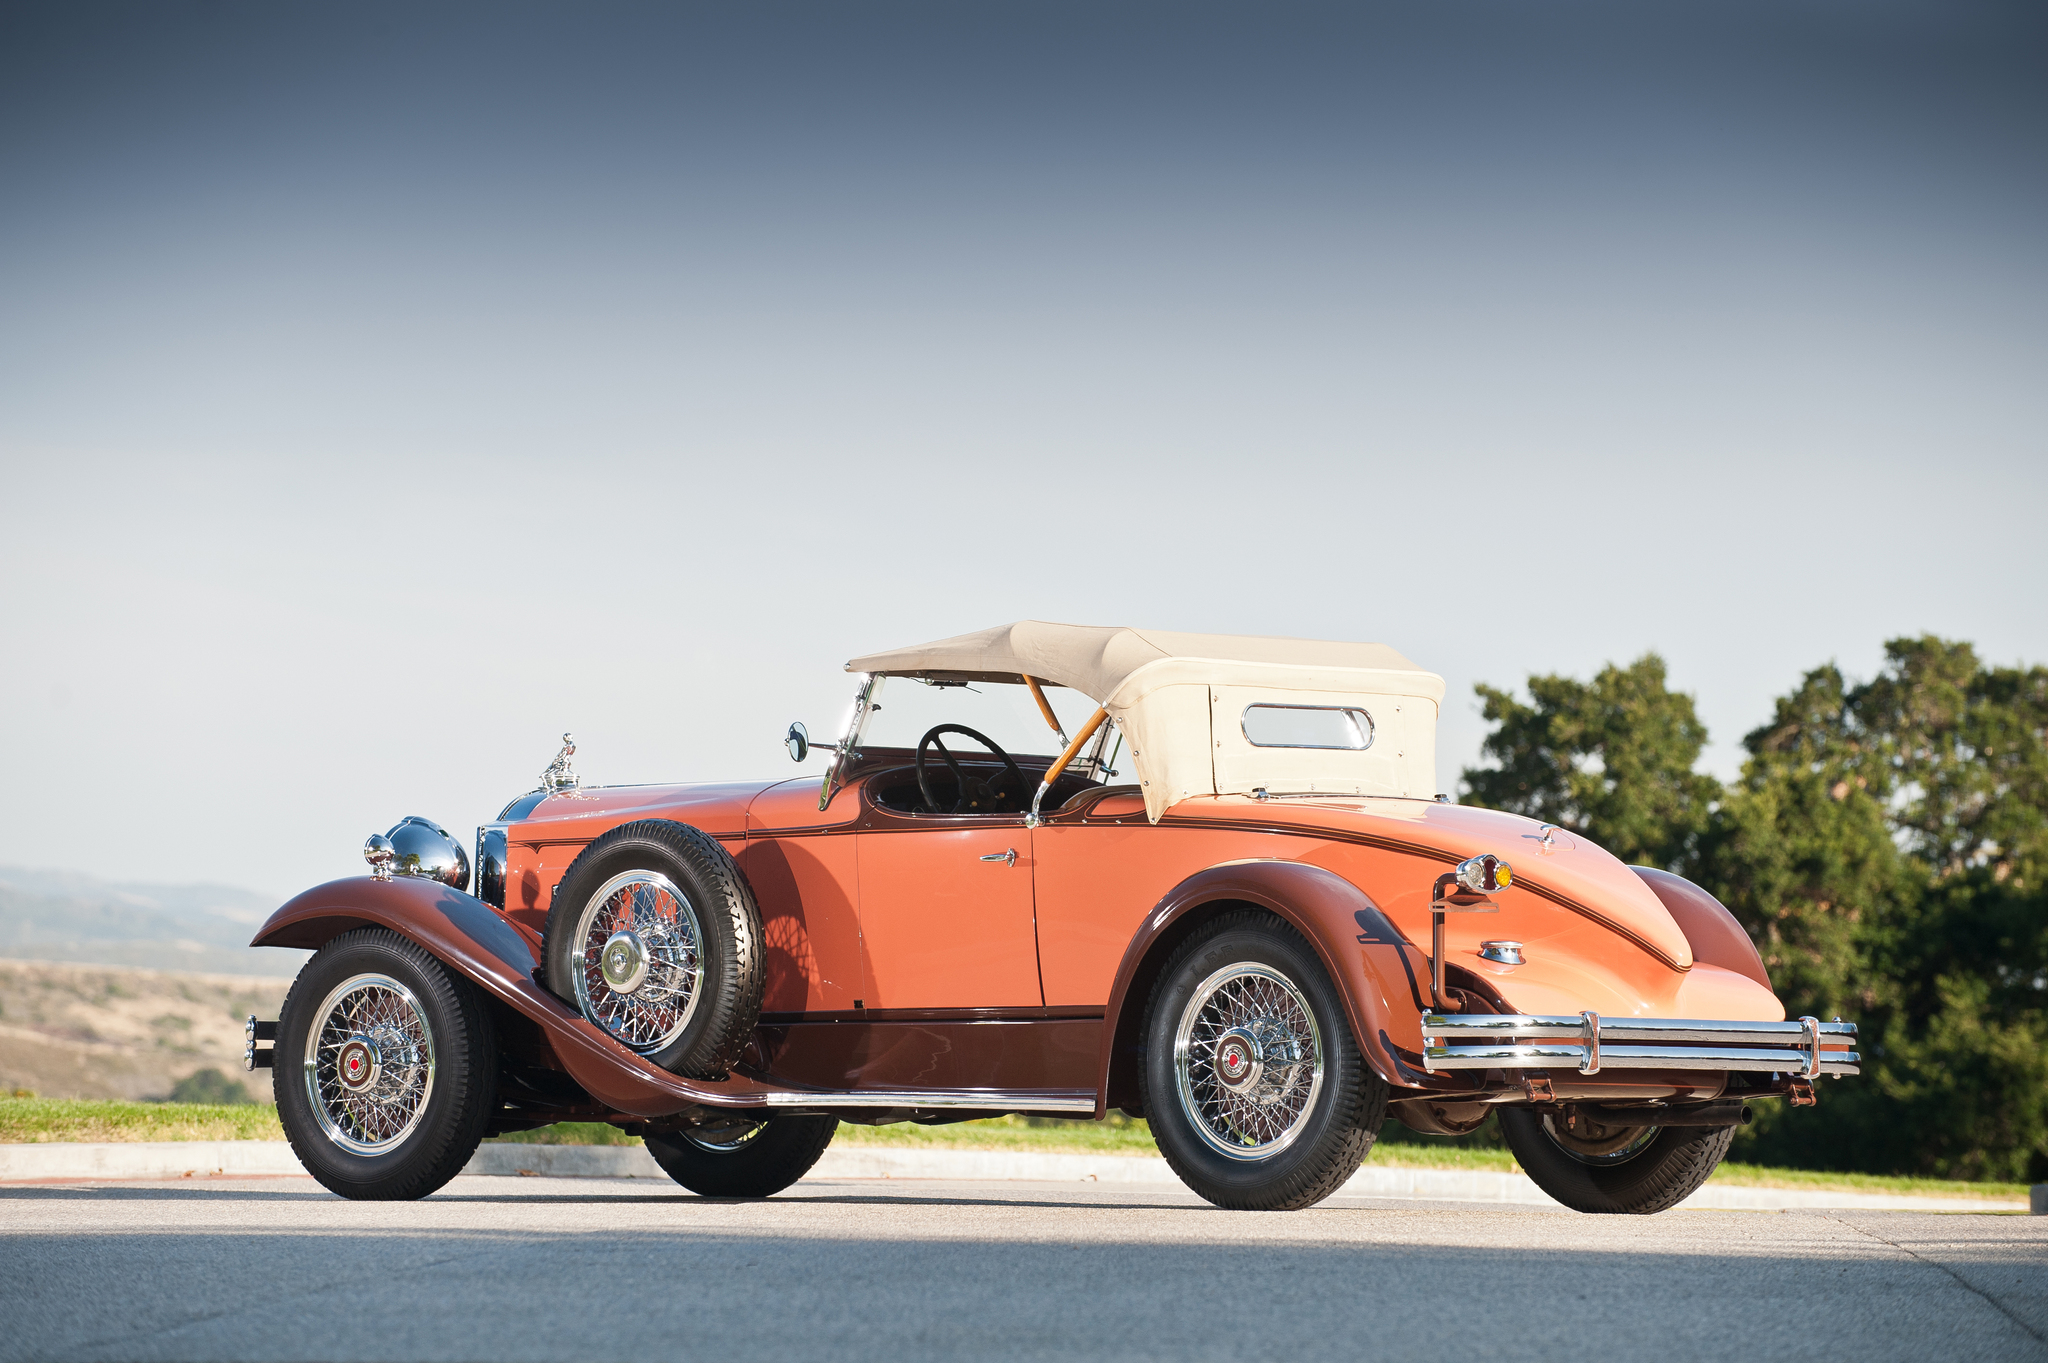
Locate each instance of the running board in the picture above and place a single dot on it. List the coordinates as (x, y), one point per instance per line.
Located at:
(1080, 1102)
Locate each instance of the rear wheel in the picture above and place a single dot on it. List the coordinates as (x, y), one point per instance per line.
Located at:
(1256, 1091)
(385, 1067)
(740, 1157)
(1615, 1170)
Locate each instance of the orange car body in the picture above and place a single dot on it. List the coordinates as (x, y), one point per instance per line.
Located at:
(926, 965)
(903, 963)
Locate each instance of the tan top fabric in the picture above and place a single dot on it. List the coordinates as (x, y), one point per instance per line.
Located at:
(1179, 697)
(1097, 659)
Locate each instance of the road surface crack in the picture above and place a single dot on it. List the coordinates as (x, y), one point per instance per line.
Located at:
(1994, 1302)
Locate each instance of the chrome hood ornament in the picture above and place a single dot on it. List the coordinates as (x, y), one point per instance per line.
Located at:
(559, 775)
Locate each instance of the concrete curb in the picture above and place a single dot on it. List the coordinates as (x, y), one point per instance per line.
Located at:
(147, 1159)
(1422, 1185)
(564, 1161)
(57, 1161)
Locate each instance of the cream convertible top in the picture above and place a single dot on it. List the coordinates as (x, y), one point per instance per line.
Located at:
(1180, 700)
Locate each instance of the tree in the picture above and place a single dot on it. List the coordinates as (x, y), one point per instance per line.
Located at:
(1611, 759)
(209, 1086)
(1886, 849)
(1801, 849)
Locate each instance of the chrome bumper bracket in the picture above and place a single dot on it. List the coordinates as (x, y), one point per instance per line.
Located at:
(261, 1047)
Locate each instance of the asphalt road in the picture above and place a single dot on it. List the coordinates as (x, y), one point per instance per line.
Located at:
(507, 1268)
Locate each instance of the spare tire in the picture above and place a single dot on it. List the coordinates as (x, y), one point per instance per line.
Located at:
(654, 937)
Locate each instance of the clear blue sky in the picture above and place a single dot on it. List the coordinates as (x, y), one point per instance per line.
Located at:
(384, 391)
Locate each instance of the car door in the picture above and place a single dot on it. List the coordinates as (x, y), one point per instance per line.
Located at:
(946, 911)
(1099, 872)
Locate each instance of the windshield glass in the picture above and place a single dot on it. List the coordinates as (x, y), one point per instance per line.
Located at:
(1006, 713)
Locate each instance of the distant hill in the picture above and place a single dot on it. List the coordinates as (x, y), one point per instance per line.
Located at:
(66, 916)
(70, 1031)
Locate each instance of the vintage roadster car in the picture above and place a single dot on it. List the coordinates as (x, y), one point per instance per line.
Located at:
(1271, 940)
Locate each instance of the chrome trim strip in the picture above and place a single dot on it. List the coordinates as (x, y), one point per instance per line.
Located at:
(995, 1100)
(1764, 1059)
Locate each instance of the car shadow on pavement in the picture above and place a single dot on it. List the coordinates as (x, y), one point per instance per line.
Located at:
(154, 1192)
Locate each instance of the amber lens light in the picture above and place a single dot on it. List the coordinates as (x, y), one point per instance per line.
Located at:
(1484, 874)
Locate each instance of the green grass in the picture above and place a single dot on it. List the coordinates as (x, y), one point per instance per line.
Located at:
(1762, 1176)
(25, 1120)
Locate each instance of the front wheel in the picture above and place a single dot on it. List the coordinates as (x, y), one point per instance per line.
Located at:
(1615, 1170)
(741, 1157)
(1256, 1091)
(385, 1067)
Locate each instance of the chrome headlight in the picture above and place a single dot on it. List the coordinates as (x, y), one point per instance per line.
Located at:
(421, 847)
(490, 864)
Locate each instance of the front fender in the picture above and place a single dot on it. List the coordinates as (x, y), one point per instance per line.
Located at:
(1379, 974)
(469, 937)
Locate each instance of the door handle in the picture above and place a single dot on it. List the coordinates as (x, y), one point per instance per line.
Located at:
(1009, 857)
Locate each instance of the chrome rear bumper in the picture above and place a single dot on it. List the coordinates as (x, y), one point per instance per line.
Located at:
(1587, 1043)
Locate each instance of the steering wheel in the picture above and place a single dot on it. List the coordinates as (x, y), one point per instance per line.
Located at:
(976, 796)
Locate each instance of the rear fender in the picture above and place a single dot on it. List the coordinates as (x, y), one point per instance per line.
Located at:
(1377, 971)
(1712, 931)
(469, 937)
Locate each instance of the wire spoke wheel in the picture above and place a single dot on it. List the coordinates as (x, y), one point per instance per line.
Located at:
(369, 1064)
(1248, 1061)
(639, 959)
(1611, 1146)
(723, 1136)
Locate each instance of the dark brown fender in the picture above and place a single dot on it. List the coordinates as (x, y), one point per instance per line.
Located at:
(470, 937)
(1712, 932)
(1373, 966)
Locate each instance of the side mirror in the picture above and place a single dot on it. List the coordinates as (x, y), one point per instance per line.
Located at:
(798, 741)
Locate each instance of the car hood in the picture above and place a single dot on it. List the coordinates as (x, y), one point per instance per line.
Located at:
(716, 807)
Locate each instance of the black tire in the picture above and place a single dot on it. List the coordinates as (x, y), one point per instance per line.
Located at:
(440, 1041)
(725, 1001)
(1666, 1166)
(743, 1158)
(1338, 1117)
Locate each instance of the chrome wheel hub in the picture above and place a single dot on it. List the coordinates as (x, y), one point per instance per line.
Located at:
(369, 1064)
(639, 959)
(625, 962)
(1239, 1062)
(1248, 1061)
(357, 1065)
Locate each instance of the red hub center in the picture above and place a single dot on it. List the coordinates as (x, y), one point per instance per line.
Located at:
(357, 1063)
